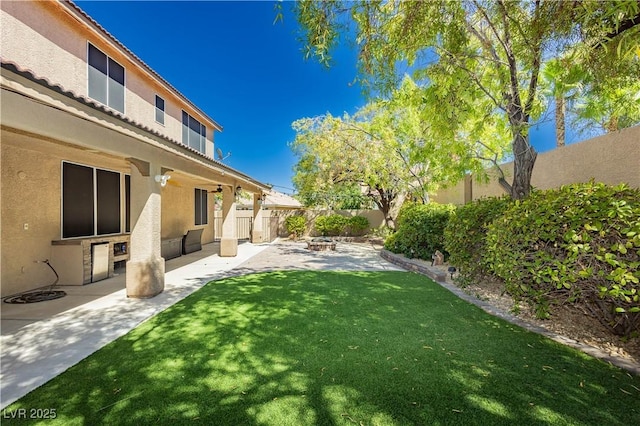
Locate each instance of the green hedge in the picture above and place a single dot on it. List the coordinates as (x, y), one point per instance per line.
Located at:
(420, 230)
(332, 225)
(335, 225)
(357, 225)
(465, 233)
(578, 244)
(296, 225)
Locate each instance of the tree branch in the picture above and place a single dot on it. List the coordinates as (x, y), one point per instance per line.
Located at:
(484, 42)
(535, 72)
(623, 26)
(493, 28)
(501, 179)
(513, 66)
(475, 79)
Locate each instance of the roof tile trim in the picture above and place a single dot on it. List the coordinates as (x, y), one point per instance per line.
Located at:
(29, 75)
(134, 56)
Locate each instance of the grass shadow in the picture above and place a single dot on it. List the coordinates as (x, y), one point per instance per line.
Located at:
(310, 347)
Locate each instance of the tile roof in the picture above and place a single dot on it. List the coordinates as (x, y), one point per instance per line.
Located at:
(71, 5)
(273, 199)
(30, 75)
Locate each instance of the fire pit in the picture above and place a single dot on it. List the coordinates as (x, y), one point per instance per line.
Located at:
(321, 244)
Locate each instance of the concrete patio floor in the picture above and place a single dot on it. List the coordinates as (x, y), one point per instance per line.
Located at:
(41, 340)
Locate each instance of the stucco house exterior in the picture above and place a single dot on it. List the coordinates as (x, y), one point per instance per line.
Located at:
(100, 156)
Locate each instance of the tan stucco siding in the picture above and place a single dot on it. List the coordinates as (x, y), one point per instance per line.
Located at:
(53, 44)
(57, 52)
(613, 158)
(452, 195)
(30, 208)
(178, 211)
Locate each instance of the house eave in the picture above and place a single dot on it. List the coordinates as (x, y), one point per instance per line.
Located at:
(81, 15)
(100, 109)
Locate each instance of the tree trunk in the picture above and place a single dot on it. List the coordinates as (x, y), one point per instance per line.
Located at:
(524, 155)
(560, 111)
(524, 159)
(611, 125)
(383, 201)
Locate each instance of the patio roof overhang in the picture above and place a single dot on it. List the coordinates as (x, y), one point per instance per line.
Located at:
(69, 119)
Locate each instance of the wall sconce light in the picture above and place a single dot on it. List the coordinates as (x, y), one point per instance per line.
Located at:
(238, 189)
(162, 179)
(219, 188)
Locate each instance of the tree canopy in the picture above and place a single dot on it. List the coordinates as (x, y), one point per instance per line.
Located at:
(481, 60)
(388, 150)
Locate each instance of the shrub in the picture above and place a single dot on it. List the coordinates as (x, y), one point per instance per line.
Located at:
(465, 233)
(420, 230)
(296, 225)
(579, 243)
(357, 225)
(332, 225)
(382, 231)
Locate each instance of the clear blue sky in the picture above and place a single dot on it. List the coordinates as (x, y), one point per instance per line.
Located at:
(244, 71)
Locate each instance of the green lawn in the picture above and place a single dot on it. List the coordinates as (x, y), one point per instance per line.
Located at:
(308, 347)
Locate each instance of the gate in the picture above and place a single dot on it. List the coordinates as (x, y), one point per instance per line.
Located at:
(244, 228)
(270, 228)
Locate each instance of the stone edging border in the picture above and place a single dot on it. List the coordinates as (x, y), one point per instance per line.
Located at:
(439, 277)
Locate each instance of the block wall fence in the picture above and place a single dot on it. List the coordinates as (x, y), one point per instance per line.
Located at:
(613, 158)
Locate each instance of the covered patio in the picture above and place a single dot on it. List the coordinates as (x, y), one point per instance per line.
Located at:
(41, 340)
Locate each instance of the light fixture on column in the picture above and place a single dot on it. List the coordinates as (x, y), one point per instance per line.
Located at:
(162, 179)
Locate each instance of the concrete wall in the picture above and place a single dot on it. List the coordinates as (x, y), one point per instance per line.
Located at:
(613, 158)
(53, 43)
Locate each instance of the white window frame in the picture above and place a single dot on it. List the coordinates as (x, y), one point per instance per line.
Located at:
(203, 215)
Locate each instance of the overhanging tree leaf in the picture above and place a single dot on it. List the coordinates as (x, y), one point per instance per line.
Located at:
(466, 50)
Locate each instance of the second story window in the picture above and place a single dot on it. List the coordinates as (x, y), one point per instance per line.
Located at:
(106, 79)
(159, 109)
(194, 134)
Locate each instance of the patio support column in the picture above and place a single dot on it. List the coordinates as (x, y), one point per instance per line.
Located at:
(257, 235)
(229, 238)
(145, 268)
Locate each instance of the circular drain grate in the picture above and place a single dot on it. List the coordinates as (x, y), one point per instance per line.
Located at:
(36, 296)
